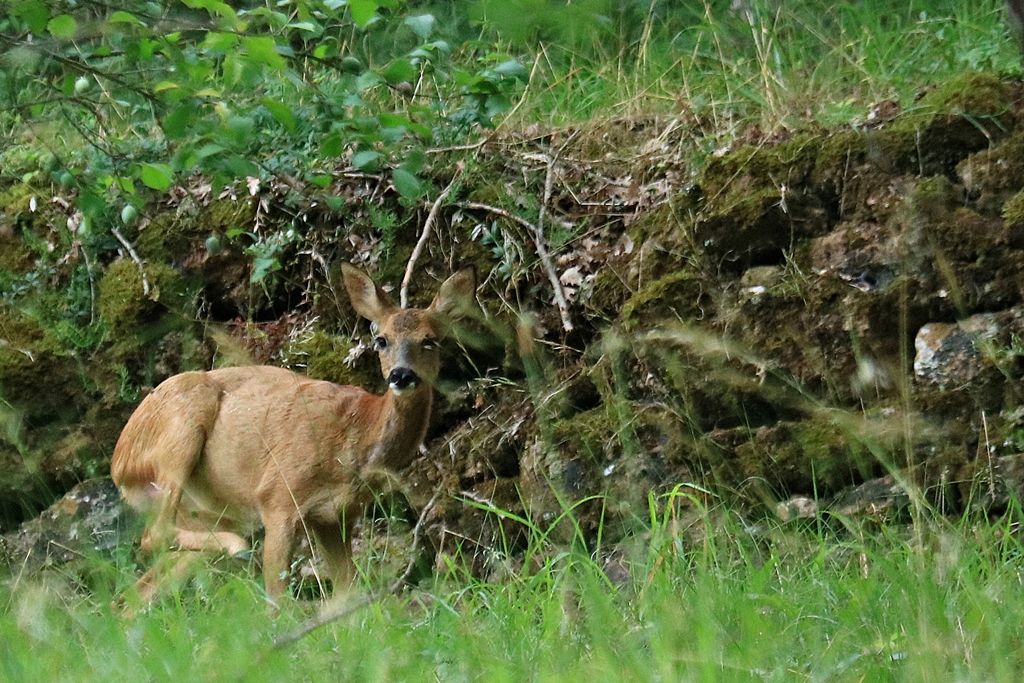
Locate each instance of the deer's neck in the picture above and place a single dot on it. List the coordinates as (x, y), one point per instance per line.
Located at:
(402, 428)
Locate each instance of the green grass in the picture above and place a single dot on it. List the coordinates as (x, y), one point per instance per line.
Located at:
(723, 66)
(718, 601)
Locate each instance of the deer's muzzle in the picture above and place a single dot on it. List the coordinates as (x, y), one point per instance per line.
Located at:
(402, 380)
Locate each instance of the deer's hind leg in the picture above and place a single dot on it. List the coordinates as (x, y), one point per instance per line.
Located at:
(155, 458)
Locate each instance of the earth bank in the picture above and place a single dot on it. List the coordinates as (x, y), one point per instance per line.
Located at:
(801, 321)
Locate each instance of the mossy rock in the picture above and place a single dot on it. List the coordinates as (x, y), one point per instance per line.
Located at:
(37, 376)
(16, 209)
(819, 456)
(979, 95)
(124, 303)
(44, 394)
(995, 175)
(678, 296)
(757, 200)
(1013, 212)
(962, 116)
(626, 445)
(177, 234)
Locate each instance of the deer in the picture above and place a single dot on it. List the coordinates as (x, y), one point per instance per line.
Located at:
(209, 457)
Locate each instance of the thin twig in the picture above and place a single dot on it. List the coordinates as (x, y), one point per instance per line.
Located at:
(497, 210)
(460, 148)
(92, 284)
(542, 250)
(135, 257)
(332, 613)
(422, 242)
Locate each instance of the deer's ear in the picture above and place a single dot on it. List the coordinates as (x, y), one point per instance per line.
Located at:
(369, 300)
(456, 295)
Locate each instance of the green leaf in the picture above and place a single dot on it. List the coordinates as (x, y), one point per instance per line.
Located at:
(220, 41)
(321, 180)
(63, 26)
(262, 267)
(91, 204)
(121, 17)
(513, 69)
(281, 112)
(208, 150)
(176, 124)
(367, 160)
(367, 80)
(497, 104)
(331, 146)
(394, 120)
(421, 24)
(415, 160)
(262, 50)
(157, 176)
(406, 183)
(362, 11)
(126, 184)
(33, 13)
(241, 127)
(400, 71)
(239, 167)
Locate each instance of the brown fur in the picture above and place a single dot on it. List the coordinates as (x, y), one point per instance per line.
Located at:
(213, 456)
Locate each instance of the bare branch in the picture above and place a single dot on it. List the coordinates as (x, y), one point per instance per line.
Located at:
(422, 242)
(135, 257)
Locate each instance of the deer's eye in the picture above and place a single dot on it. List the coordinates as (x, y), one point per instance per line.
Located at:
(429, 343)
(380, 343)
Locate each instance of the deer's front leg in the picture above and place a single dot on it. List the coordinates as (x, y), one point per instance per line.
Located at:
(335, 543)
(278, 547)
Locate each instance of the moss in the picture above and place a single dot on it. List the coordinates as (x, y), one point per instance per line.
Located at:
(15, 257)
(680, 295)
(608, 293)
(137, 321)
(43, 396)
(325, 358)
(848, 154)
(993, 176)
(978, 95)
(933, 198)
(124, 304)
(757, 200)
(965, 236)
(1013, 212)
(960, 117)
(16, 208)
(819, 455)
(621, 449)
(36, 375)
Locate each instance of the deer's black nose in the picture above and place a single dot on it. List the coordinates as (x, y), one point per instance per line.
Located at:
(403, 378)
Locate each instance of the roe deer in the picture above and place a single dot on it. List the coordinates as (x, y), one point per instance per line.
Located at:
(212, 456)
